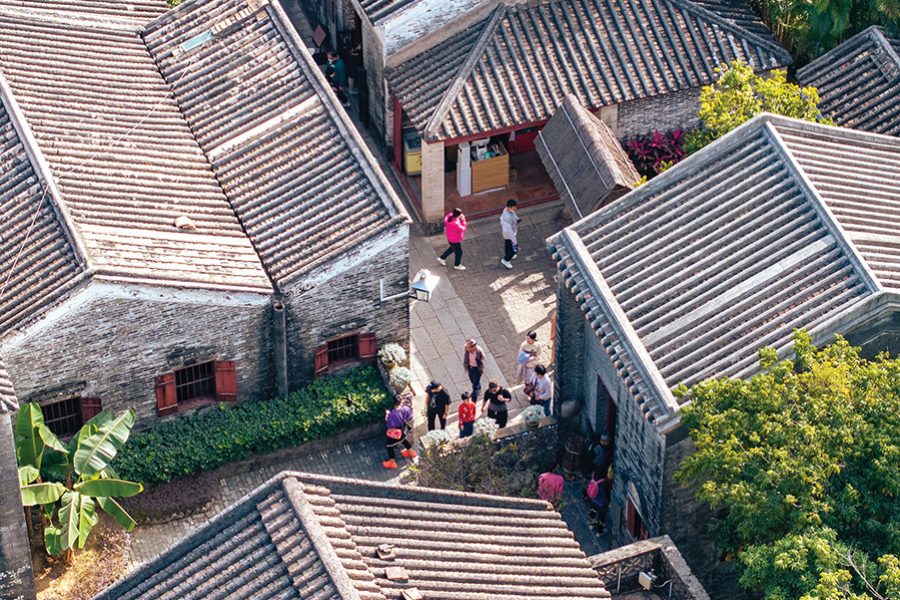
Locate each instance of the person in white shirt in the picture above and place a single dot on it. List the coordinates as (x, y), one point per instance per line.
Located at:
(509, 226)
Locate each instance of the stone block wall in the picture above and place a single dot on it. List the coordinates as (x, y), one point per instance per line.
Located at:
(349, 303)
(663, 113)
(639, 448)
(111, 341)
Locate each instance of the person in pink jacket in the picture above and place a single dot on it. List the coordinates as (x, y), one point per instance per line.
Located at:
(455, 228)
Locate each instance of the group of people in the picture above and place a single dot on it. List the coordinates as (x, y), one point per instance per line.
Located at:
(494, 403)
(455, 226)
(336, 74)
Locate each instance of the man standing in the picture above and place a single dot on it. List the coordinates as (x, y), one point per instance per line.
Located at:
(437, 400)
(473, 363)
(509, 225)
(455, 228)
(542, 389)
(495, 400)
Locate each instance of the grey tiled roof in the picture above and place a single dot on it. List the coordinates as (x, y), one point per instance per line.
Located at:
(859, 82)
(309, 536)
(8, 400)
(83, 90)
(144, 10)
(141, 126)
(584, 159)
(293, 167)
(781, 224)
(38, 263)
(530, 55)
(377, 10)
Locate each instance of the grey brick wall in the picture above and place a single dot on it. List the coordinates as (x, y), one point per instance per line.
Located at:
(663, 113)
(639, 448)
(373, 60)
(347, 304)
(114, 347)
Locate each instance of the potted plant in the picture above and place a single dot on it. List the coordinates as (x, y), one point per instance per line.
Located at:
(532, 416)
(392, 355)
(399, 379)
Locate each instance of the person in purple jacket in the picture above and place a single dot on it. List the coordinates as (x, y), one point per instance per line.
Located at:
(398, 421)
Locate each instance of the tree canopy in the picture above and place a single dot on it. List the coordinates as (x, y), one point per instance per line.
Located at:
(803, 458)
(739, 94)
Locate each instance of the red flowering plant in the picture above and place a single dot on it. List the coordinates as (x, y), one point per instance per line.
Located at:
(652, 154)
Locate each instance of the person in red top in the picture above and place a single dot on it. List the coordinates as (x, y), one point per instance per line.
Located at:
(466, 415)
(455, 228)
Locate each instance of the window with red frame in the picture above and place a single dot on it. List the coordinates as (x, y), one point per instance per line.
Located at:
(345, 350)
(633, 522)
(194, 385)
(65, 417)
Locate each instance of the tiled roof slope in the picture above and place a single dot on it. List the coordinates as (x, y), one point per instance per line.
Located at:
(779, 225)
(584, 159)
(144, 10)
(124, 158)
(314, 537)
(377, 10)
(530, 55)
(292, 166)
(38, 264)
(8, 400)
(858, 177)
(859, 82)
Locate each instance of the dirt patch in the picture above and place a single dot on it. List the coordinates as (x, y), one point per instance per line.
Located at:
(103, 561)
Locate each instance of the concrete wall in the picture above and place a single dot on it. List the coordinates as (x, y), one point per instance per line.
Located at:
(349, 303)
(112, 340)
(662, 113)
(16, 579)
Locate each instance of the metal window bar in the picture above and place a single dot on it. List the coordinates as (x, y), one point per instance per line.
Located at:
(195, 382)
(343, 349)
(63, 417)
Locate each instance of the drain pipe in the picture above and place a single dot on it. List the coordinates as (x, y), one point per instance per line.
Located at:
(279, 330)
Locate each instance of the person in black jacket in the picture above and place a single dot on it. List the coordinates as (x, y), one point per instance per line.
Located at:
(437, 401)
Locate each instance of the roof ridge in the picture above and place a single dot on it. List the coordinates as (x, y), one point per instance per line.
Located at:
(324, 480)
(873, 33)
(721, 21)
(318, 537)
(831, 223)
(75, 17)
(463, 74)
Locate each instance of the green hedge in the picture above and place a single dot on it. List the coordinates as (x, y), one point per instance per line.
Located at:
(228, 433)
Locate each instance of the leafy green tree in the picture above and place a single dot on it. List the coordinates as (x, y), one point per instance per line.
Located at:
(803, 458)
(739, 94)
(80, 478)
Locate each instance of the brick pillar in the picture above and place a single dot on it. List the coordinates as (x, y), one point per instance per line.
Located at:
(16, 578)
(433, 182)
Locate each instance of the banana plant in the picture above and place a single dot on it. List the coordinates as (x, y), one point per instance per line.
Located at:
(81, 479)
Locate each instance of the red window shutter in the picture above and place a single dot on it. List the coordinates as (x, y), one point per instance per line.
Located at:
(630, 515)
(166, 398)
(321, 366)
(226, 381)
(367, 349)
(90, 408)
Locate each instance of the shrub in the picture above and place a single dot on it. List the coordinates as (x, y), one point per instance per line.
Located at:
(229, 433)
(176, 499)
(392, 355)
(654, 153)
(400, 378)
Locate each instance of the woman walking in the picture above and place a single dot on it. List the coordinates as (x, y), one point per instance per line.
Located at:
(455, 228)
(528, 358)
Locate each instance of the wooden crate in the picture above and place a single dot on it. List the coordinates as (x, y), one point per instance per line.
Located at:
(490, 173)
